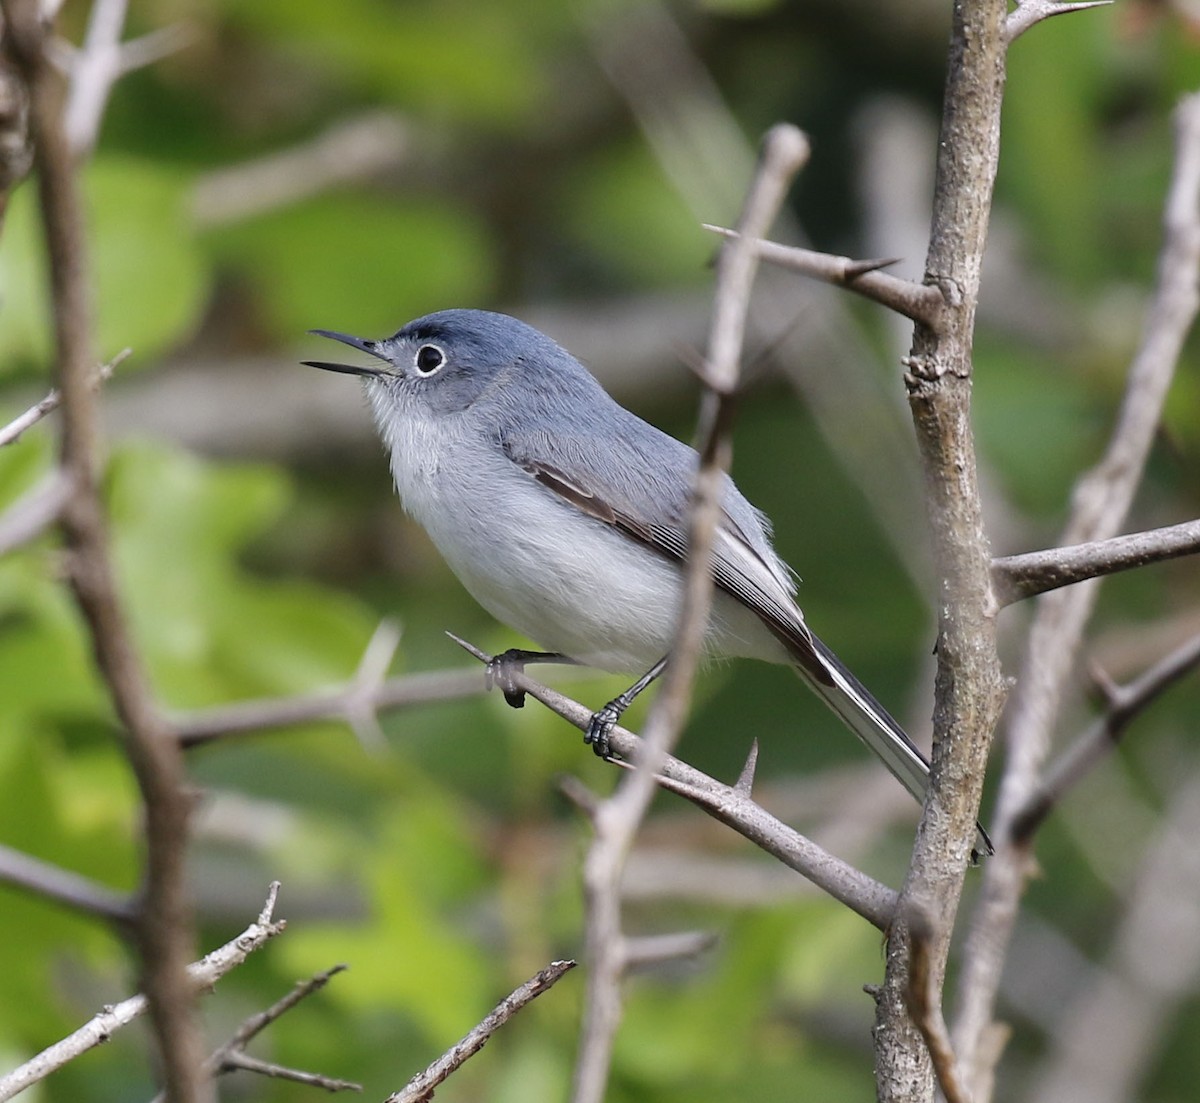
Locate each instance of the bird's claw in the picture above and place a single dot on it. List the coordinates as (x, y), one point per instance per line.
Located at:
(499, 672)
(600, 728)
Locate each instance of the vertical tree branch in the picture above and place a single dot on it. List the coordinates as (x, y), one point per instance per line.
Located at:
(969, 688)
(164, 926)
(616, 820)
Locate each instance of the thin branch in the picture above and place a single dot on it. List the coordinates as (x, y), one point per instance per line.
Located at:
(202, 976)
(1017, 577)
(249, 717)
(1029, 13)
(875, 902)
(165, 930)
(11, 432)
(917, 301)
(34, 512)
(62, 886)
(1100, 503)
(421, 1087)
(282, 1072)
(785, 149)
(924, 1004)
(256, 1024)
(1123, 704)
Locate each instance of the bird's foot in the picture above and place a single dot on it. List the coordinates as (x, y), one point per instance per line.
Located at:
(500, 672)
(600, 728)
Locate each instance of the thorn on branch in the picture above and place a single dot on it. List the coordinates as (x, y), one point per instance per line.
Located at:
(745, 781)
(1029, 13)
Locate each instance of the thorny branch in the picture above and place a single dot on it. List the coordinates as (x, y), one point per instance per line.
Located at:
(917, 301)
(13, 430)
(733, 806)
(969, 689)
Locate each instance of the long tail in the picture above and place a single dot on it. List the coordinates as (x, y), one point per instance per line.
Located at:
(873, 724)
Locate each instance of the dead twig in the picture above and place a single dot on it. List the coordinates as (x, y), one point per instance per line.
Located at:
(232, 1055)
(34, 512)
(420, 1088)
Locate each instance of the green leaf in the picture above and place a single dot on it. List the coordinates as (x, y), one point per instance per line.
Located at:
(150, 279)
(359, 263)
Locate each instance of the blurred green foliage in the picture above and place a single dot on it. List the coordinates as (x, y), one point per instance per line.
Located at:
(443, 869)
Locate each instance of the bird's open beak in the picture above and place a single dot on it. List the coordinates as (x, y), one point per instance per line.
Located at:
(370, 347)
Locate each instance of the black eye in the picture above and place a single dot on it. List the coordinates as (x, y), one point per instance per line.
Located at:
(429, 359)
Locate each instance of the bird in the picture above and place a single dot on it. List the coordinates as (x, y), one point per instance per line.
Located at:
(565, 516)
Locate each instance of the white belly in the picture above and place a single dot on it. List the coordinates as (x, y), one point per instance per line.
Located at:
(567, 581)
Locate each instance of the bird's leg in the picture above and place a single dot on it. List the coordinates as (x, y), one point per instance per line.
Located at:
(500, 669)
(602, 723)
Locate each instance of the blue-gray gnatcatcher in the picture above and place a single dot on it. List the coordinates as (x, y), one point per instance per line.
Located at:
(565, 515)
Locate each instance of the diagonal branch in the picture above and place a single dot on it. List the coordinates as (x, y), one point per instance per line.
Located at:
(732, 806)
(1017, 577)
(421, 1087)
(1124, 703)
(924, 1004)
(34, 512)
(232, 1055)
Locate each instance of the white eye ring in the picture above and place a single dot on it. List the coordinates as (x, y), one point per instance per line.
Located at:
(429, 359)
